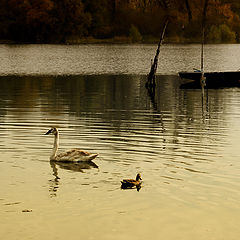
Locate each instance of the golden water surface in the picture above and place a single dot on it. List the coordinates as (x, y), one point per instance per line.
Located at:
(187, 153)
(187, 150)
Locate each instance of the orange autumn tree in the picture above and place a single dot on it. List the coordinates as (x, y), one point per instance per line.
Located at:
(223, 23)
(32, 18)
(38, 17)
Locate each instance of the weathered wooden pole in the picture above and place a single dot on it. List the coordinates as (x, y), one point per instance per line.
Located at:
(202, 79)
(151, 76)
(203, 32)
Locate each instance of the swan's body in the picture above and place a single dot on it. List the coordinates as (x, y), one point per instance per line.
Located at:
(73, 155)
(131, 183)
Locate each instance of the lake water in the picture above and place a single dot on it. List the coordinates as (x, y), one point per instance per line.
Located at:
(186, 149)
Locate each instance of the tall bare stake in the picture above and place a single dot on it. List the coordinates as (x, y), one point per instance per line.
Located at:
(202, 79)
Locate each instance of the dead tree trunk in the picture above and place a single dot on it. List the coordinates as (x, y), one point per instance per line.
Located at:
(151, 76)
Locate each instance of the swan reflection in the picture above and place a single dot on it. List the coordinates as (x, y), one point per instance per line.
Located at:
(75, 166)
(54, 183)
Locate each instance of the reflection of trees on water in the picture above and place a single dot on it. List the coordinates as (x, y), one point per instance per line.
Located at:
(112, 99)
(75, 167)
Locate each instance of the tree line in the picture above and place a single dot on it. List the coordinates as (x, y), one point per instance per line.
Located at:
(61, 21)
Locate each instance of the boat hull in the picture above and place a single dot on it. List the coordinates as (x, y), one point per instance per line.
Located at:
(213, 79)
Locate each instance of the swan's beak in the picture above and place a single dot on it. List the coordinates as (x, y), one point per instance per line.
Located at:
(48, 132)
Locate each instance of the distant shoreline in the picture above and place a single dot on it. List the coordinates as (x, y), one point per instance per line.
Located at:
(115, 40)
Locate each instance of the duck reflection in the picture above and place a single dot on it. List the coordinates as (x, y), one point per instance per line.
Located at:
(136, 187)
(76, 167)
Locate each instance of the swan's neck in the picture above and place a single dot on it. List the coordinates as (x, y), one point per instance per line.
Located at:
(55, 146)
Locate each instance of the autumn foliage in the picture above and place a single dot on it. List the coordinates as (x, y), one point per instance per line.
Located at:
(59, 21)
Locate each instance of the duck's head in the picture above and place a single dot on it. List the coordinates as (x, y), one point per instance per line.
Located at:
(138, 177)
(53, 131)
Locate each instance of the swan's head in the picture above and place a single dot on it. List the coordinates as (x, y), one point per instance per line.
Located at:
(53, 131)
(138, 177)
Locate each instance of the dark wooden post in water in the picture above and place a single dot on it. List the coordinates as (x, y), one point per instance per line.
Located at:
(151, 76)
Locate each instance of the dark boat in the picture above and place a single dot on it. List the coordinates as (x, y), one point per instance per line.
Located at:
(212, 79)
(201, 79)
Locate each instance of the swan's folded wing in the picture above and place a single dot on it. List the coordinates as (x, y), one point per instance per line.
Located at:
(75, 155)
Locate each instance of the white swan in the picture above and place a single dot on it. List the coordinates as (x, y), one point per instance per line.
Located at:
(73, 155)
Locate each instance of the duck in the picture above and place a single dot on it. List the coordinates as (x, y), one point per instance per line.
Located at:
(73, 155)
(132, 183)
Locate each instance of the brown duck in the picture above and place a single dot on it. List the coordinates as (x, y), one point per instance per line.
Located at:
(131, 183)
